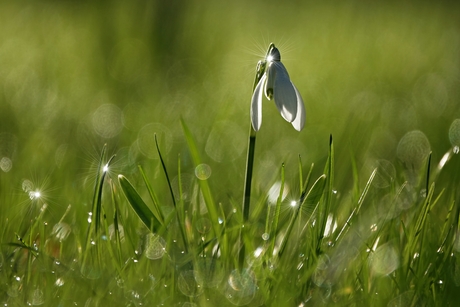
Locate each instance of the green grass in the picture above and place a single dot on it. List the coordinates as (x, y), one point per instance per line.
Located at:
(123, 148)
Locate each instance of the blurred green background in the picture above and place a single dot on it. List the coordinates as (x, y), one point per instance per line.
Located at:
(75, 75)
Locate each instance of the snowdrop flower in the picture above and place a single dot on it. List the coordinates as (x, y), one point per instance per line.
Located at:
(277, 85)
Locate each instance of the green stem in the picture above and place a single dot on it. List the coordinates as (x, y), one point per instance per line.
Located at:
(247, 190)
(260, 70)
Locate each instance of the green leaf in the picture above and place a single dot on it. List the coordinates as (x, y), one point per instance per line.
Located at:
(137, 203)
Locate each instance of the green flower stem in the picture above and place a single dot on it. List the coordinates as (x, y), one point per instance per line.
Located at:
(260, 70)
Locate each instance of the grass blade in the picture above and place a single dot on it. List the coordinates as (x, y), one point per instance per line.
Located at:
(137, 203)
(181, 228)
(204, 186)
(312, 198)
(156, 207)
(323, 210)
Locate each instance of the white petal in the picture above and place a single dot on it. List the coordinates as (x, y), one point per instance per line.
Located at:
(283, 91)
(299, 121)
(256, 104)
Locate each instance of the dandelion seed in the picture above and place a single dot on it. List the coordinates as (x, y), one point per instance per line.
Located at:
(277, 85)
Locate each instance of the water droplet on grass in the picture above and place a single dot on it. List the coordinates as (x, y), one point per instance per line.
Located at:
(59, 282)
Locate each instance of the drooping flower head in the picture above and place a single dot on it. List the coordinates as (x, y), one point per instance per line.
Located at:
(275, 83)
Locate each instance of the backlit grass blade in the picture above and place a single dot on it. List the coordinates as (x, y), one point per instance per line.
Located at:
(366, 189)
(137, 203)
(156, 207)
(96, 212)
(311, 200)
(325, 205)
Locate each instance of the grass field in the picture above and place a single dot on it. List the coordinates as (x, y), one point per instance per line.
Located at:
(124, 131)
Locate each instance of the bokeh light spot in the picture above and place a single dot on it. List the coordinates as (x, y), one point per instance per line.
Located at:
(6, 164)
(384, 260)
(107, 120)
(241, 287)
(431, 93)
(454, 133)
(188, 285)
(226, 142)
(155, 246)
(203, 171)
(413, 149)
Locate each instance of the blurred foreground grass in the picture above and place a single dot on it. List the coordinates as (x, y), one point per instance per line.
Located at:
(76, 76)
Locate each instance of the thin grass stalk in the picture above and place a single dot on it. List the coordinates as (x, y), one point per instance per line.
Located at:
(156, 207)
(323, 212)
(172, 195)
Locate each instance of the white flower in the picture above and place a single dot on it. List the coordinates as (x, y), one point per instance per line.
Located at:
(276, 85)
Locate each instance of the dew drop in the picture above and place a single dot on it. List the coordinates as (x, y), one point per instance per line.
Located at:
(265, 236)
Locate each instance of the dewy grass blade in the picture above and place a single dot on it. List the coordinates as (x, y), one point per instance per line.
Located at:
(137, 203)
(97, 187)
(93, 228)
